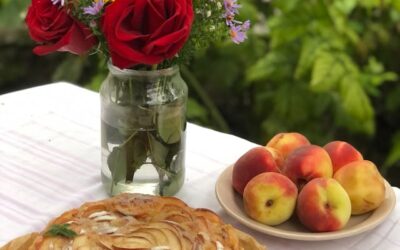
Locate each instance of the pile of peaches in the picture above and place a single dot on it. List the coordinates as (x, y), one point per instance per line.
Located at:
(322, 186)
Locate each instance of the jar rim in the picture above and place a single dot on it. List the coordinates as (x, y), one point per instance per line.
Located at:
(148, 73)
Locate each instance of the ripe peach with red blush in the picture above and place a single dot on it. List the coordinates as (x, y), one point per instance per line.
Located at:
(324, 185)
(342, 153)
(323, 205)
(254, 162)
(307, 163)
(285, 143)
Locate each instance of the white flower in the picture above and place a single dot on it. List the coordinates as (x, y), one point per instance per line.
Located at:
(61, 2)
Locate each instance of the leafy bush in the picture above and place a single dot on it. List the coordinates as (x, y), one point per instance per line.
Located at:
(326, 68)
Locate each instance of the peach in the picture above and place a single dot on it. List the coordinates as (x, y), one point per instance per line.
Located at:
(323, 205)
(270, 198)
(342, 153)
(364, 184)
(307, 163)
(285, 143)
(255, 161)
(277, 156)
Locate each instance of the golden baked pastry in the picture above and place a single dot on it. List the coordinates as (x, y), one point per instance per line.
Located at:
(137, 222)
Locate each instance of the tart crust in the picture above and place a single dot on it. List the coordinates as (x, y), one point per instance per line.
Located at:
(137, 221)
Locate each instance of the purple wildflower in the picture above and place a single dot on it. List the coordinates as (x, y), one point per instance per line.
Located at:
(94, 9)
(231, 7)
(238, 32)
(237, 29)
(246, 25)
(237, 35)
(229, 19)
(61, 2)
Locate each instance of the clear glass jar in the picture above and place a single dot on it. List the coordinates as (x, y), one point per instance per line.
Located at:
(143, 124)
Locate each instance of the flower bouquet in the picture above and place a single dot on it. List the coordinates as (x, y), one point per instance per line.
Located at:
(143, 98)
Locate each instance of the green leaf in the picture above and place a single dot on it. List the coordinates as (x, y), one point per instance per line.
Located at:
(118, 164)
(291, 101)
(170, 120)
(295, 23)
(327, 72)
(345, 6)
(374, 66)
(354, 100)
(169, 187)
(158, 151)
(173, 150)
(374, 75)
(329, 69)
(60, 230)
(163, 154)
(275, 64)
(262, 69)
(352, 124)
(125, 159)
(342, 25)
(377, 80)
(136, 152)
(286, 6)
(309, 50)
(286, 29)
(369, 4)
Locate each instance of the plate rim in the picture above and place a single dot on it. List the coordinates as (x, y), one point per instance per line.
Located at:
(303, 236)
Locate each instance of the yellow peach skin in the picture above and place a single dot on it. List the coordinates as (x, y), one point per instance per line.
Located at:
(277, 156)
(364, 184)
(285, 143)
(270, 198)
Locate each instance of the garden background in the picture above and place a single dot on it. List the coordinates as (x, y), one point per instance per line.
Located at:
(327, 69)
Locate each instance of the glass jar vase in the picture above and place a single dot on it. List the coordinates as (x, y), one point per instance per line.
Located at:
(143, 124)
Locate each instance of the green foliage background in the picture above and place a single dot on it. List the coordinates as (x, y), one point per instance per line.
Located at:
(328, 69)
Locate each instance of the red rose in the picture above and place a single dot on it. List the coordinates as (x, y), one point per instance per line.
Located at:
(51, 25)
(146, 31)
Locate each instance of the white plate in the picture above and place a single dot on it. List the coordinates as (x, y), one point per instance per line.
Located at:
(292, 229)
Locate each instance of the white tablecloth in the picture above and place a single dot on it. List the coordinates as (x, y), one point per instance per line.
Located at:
(50, 162)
